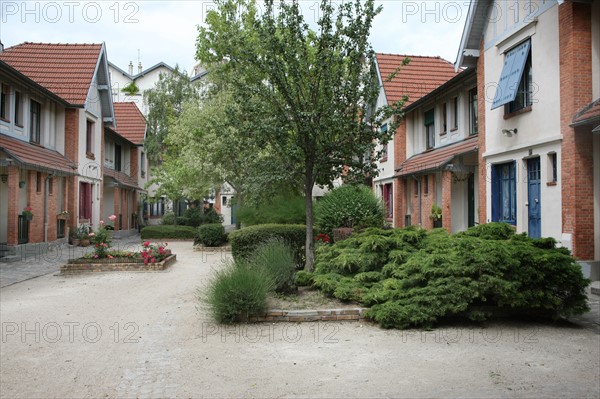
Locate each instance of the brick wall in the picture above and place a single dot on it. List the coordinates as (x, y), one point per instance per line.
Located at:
(13, 205)
(134, 160)
(447, 200)
(400, 206)
(71, 152)
(35, 199)
(577, 150)
(52, 207)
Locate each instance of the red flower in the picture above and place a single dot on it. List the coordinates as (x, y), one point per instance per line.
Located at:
(147, 243)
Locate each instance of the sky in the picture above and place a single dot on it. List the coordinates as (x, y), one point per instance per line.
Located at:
(153, 31)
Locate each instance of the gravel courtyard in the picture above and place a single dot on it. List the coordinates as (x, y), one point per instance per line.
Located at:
(144, 335)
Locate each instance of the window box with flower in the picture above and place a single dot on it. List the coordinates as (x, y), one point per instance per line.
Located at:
(27, 213)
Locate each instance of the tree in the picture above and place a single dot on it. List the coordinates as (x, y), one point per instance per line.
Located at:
(165, 104)
(315, 90)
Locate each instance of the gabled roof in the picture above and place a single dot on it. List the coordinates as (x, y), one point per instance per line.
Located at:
(36, 157)
(461, 76)
(121, 178)
(131, 124)
(415, 80)
(34, 87)
(144, 72)
(468, 50)
(590, 114)
(65, 69)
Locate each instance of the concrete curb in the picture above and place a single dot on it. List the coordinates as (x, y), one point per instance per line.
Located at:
(277, 315)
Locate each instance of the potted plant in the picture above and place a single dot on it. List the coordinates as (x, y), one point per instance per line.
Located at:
(27, 213)
(74, 236)
(64, 215)
(436, 215)
(83, 233)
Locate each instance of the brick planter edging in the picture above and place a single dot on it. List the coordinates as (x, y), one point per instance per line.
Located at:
(276, 315)
(76, 268)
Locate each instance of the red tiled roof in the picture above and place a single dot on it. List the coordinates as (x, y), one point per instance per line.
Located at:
(121, 177)
(65, 69)
(437, 158)
(418, 78)
(588, 114)
(131, 124)
(36, 157)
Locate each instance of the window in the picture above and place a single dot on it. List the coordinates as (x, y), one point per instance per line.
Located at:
(455, 113)
(4, 97)
(143, 164)
(515, 84)
(504, 195)
(384, 146)
(85, 201)
(38, 182)
(18, 109)
(473, 116)
(553, 164)
(157, 206)
(35, 112)
(117, 157)
(524, 91)
(429, 130)
(50, 186)
(444, 118)
(89, 138)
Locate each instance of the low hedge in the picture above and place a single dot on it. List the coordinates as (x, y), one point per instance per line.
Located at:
(211, 235)
(245, 241)
(166, 231)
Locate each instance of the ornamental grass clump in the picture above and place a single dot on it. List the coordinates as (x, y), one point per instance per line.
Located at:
(276, 260)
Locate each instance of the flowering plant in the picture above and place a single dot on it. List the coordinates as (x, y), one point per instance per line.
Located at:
(153, 253)
(323, 238)
(101, 240)
(27, 211)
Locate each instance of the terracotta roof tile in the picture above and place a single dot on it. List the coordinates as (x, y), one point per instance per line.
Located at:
(418, 78)
(65, 69)
(131, 124)
(121, 177)
(437, 158)
(36, 157)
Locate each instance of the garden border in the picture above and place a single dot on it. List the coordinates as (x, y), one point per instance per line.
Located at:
(277, 315)
(89, 266)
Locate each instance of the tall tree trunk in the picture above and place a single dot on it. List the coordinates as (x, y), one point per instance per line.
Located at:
(308, 190)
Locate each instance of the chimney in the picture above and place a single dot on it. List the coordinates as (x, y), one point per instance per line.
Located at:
(139, 67)
(131, 68)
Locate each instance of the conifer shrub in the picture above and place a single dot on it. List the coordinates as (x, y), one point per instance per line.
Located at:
(411, 277)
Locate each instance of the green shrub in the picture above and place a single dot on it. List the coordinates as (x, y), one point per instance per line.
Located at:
(276, 260)
(281, 210)
(349, 206)
(411, 277)
(245, 241)
(303, 278)
(193, 216)
(211, 235)
(168, 218)
(237, 292)
(182, 232)
(182, 221)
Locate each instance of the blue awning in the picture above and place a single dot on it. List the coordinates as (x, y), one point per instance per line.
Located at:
(512, 72)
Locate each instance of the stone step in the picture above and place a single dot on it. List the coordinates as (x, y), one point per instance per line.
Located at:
(595, 287)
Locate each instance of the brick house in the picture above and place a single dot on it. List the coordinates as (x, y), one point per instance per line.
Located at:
(125, 168)
(55, 101)
(538, 68)
(415, 80)
(442, 156)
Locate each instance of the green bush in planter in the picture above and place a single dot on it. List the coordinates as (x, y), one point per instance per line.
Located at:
(244, 242)
(211, 235)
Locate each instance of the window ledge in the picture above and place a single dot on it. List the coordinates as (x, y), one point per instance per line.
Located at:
(89, 155)
(384, 159)
(518, 112)
(551, 183)
(36, 144)
(442, 134)
(5, 120)
(454, 129)
(19, 125)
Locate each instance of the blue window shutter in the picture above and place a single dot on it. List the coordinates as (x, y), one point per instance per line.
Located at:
(513, 184)
(495, 194)
(512, 72)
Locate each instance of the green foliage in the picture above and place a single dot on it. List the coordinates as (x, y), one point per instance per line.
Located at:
(168, 218)
(236, 292)
(349, 206)
(280, 210)
(412, 277)
(180, 232)
(198, 216)
(276, 260)
(245, 241)
(211, 235)
(304, 278)
(131, 89)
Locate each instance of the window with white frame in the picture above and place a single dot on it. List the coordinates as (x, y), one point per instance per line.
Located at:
(429, 129)
(4, 102)
(454, 113)
(35, 116)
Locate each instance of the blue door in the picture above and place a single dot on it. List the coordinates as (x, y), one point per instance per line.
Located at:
(233, 214)
(534, 200)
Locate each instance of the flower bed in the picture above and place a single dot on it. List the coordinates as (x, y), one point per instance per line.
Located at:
(82, 265)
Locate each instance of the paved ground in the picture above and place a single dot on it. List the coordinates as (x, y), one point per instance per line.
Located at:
(143, 335)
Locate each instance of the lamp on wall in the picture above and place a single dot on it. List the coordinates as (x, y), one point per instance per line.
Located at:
(509, 132)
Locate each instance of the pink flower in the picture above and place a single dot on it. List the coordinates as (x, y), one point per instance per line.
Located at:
(102, 222)
(112, 218)
(110, 257)
(91, 234)
(145, 261)
(152, 260)
(166, 243)
(147, 243)
(96, 256)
